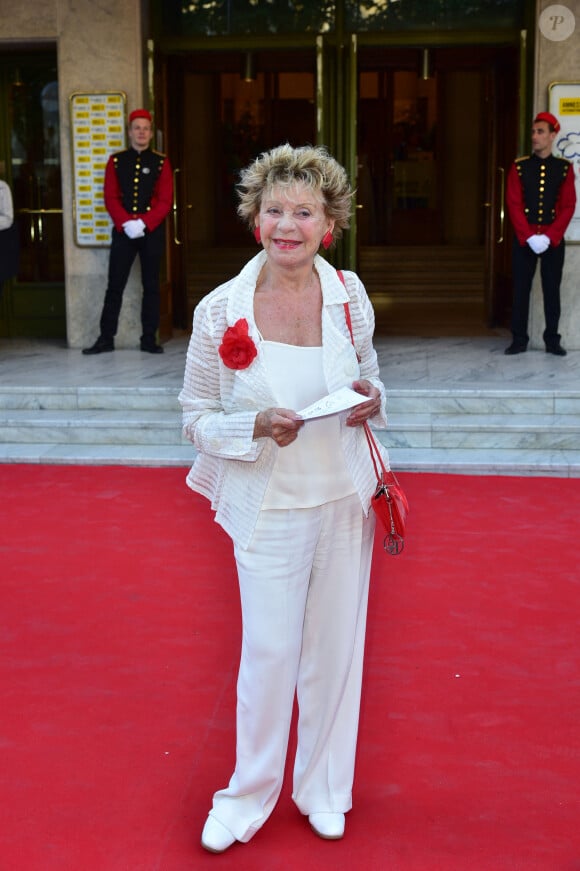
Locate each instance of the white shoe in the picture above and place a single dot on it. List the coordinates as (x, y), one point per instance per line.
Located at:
(215, 837)
(327, 825)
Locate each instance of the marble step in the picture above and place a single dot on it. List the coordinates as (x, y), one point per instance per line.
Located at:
(478, 430)
(462, 401)
(495, 401)
(519, 431)
(89, 426)
(450, 461)
(538, 463)
(163, 427)
(87, 398)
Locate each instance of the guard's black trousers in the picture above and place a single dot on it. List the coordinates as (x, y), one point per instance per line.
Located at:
(524, 266)
(123, 253)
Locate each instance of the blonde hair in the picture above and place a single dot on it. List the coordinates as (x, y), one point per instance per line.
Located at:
(283, 166)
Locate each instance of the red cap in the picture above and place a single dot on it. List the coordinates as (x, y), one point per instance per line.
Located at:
(549, 119)
(140, 113)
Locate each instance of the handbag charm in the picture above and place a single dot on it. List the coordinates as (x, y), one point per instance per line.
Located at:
(393, 543)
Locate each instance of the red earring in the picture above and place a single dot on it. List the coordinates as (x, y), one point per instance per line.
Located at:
(327, 240)
(257, 235)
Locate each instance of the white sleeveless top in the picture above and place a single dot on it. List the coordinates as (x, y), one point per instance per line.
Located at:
(312, 469)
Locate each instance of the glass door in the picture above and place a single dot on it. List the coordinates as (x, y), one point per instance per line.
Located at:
(429, 140)
(223, 109)
(398, 192)
(34, 303)
(505, 107)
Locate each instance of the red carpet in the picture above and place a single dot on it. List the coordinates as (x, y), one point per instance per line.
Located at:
(119, 641)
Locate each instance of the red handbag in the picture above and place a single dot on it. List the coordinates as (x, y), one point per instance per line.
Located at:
(389, 501)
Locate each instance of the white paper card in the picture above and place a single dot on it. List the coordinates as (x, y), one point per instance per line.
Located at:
(338, 400)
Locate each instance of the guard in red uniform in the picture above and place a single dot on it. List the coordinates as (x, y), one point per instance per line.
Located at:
(138, 197)
(541, 199)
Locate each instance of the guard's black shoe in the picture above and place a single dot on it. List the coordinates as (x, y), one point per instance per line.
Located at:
(101, 346)
(151, 347)
(558, 350)
(515, 348)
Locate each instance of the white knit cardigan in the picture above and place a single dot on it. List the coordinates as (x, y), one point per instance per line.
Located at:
(219, 404)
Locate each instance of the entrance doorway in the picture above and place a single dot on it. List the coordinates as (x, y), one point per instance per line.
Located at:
(428, 139)
(33, 304)
(426, 142)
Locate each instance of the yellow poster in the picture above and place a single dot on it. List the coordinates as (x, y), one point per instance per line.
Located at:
(564, 103)
(97, 130)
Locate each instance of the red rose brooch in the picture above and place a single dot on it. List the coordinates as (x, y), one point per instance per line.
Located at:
(237, 349)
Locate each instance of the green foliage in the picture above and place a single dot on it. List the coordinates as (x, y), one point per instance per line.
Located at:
(237, 17)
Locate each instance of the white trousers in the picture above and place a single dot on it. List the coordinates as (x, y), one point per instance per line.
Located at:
(304, 591)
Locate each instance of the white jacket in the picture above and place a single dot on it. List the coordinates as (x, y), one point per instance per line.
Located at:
(220, 404)
(6, 206)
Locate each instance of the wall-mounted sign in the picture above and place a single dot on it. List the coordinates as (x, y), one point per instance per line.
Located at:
(564, 103)
(97, 130)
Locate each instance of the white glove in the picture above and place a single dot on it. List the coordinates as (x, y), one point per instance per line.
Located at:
(134, 229)
(538, 243)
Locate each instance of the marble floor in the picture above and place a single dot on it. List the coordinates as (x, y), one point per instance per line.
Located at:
(422, 363)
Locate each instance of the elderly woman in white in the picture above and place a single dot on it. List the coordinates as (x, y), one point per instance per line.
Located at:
(293, 494)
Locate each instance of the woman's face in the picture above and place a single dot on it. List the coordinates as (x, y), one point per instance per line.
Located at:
(292, 223)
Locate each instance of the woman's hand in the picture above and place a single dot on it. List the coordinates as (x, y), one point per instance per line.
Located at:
(279, 424)
(361, 413)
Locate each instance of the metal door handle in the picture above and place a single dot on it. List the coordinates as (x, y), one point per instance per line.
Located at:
(501, 171)
(174, 209)
(37, 227)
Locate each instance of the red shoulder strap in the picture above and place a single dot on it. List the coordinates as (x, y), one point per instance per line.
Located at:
(347, 314)
(374, 451)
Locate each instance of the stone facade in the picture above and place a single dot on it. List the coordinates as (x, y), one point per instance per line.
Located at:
(101, 47)
(558, 60)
